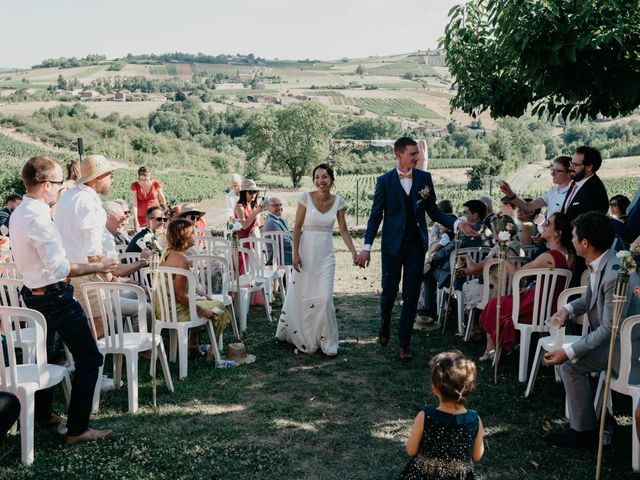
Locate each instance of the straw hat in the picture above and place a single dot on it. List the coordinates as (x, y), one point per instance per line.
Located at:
(238, 353)
(248, 185)
(189, 208)
(93, 166)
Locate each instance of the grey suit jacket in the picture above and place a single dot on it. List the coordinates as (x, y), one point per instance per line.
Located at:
(599, 307)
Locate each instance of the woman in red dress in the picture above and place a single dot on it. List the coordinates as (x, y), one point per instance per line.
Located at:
(557, 233)
(246, 212)
(147, 192)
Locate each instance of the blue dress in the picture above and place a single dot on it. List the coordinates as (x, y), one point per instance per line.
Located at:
(445, 447)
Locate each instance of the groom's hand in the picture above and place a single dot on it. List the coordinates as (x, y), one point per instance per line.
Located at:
(363, 259)
(467, 229)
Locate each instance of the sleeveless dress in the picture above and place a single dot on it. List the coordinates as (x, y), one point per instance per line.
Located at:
(527, 300)
(445, 447)
(146, 200)
(308, 318)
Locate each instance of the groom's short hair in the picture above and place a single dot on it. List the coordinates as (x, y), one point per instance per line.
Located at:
(402, 143)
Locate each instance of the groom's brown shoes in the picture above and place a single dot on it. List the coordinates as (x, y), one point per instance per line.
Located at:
(405, 354)
(383, 336)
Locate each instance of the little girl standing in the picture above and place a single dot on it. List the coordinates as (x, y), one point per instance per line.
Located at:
(445, 441)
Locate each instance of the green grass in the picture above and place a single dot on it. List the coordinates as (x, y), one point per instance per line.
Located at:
(171, 69)
(310, 417)
(158, 70)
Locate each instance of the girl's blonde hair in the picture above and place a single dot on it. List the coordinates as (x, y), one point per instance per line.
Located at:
(453, 375)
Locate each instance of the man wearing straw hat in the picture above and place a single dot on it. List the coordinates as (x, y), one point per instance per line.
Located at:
(81, 221)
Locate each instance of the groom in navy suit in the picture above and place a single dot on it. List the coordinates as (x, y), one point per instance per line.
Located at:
(403, 196)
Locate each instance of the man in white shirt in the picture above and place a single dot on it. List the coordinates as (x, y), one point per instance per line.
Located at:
(592, 237)
(44, 266)
(81, 221)
(231, 199)
(553, 199)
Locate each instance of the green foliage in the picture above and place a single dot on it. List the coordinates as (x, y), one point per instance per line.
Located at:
(572, 59)
(64, 62)
(292, 139)
(368, 128)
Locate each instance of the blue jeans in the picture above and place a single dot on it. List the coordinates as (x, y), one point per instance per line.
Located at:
(66, 318)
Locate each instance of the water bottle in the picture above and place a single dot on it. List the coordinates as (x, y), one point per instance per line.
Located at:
(224, 363)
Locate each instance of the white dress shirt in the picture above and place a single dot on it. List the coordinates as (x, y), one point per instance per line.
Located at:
(230, 201)
(108, 242)
(554, 199)
(571, 195)
(596, 267)
(36, 245)
(81, 221)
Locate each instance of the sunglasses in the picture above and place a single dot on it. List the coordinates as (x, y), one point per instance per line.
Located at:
(192, 217)
(161, 219)
(52, 181)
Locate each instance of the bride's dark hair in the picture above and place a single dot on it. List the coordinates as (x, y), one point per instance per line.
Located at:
(328, 169)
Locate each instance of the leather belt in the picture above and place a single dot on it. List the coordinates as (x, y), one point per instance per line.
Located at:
(52, 288)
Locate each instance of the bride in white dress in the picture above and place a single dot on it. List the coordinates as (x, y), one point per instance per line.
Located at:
(308, 318)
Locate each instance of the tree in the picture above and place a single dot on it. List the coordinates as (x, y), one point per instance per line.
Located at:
(566, 58)
(360, 70)
(293, 138)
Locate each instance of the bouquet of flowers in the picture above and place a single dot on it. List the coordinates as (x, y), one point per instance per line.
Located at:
(149, 242)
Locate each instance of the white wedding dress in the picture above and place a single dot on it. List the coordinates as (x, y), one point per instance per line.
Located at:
(308, 318)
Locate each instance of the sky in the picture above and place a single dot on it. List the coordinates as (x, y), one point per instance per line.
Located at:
(32, 30)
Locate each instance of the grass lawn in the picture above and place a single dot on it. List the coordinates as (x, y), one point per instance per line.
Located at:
(293, 416)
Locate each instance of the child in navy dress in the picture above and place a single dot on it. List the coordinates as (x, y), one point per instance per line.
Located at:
(446, 440)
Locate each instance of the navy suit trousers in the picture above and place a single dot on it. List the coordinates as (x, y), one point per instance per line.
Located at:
(408, 264)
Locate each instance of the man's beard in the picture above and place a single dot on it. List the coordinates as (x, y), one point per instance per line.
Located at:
(578, 176)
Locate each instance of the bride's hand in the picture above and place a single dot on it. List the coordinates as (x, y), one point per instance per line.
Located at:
(297, 263)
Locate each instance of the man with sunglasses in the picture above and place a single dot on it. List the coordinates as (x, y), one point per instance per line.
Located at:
(554, 198)
(156, 223)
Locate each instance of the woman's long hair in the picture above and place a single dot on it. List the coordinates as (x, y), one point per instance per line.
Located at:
(243, 199)
(179, 232)
(563, 225)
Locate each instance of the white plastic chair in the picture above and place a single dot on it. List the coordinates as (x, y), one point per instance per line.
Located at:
(477, 254)
(119, 343)
(25, 380)
(557, 339)
(129, 258)
(209, 245)
(121, 249)
(9, 270)
(270, 273)
(253, 280)
(546, 281)
(23, 338)
(279, 254)
(205, 268)
(488, 285)
(529, 250)
(179, 331)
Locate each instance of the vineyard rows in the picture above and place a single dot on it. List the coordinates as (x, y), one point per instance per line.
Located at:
(398, 69)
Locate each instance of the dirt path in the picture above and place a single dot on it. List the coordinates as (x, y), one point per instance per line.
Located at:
(522, 178)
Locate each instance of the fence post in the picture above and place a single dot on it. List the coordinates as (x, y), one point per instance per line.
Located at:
(357, 201)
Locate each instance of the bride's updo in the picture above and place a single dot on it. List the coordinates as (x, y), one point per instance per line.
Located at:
(329, 169)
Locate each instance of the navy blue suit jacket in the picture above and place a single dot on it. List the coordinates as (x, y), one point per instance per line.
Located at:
(388, 204)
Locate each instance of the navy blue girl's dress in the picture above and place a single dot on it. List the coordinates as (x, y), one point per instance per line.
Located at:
(445, 447)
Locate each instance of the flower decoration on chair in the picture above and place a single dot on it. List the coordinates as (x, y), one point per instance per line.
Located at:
(149, 242)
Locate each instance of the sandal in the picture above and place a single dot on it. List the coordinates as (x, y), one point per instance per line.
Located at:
(488, 356)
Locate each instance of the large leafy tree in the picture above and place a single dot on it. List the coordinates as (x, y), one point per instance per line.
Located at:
(572, 58)
(293, 138)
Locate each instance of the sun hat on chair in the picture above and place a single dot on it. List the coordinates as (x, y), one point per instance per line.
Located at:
(93, 166)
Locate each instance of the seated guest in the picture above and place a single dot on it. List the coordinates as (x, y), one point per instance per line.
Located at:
(116, 220)
(195, 215)
(124, 231)
(180, 238)
(10, 204)
(9, 411)
(557, 233)
(490, 214)
(592, 237)
(475, 212)
(527, 227)
(618, 206)
(275, 222)
(156, 223)
(631, 226)
(507, 207)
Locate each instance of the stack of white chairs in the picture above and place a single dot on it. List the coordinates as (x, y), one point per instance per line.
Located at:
(165, 296)
(26, 379)
(119, 343)
(546, 282)
(279, 255)
(557, 339)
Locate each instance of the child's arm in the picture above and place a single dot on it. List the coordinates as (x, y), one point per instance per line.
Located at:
(413, 443)
(478, 443)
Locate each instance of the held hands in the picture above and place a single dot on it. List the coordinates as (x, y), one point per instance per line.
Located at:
(363, 259)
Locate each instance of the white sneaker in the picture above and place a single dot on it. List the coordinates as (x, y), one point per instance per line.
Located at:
(108, 384)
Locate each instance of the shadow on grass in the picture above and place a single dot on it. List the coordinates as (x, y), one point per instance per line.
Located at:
(313, 417)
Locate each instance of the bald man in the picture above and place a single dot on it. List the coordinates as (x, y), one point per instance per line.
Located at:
(275, 222)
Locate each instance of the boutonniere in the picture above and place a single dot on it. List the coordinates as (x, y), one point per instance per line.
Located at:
(424, 193)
